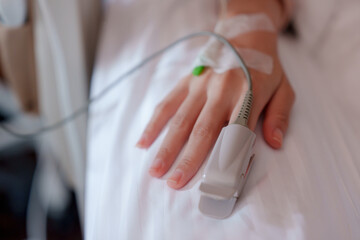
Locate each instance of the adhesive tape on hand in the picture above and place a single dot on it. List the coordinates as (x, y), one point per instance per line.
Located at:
(221, 59)
(244, 23)
(224, 59)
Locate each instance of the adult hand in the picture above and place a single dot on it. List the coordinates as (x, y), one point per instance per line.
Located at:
(199, 107)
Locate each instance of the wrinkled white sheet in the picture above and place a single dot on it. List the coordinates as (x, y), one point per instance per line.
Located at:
(308, 190)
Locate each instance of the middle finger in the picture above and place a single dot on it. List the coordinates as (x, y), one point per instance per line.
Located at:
(205, 132)
(179, 131)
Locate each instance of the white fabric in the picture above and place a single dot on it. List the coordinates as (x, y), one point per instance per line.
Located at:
(308, 190)
(62, 82)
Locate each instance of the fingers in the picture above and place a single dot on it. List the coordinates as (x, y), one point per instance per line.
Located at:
(163, 112)
(277, 114)
(179, 130)
(202, 138)
(200, 112)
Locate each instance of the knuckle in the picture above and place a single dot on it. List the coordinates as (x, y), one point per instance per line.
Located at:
(202, 130)
(164, 153)
(179, 121)
(188, 164)
(281, 118)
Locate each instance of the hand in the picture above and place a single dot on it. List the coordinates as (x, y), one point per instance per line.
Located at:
(199, 107)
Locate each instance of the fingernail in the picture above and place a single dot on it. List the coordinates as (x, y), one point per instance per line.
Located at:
(142, 142)
(157, 164)
(176, 177)
(278, 136)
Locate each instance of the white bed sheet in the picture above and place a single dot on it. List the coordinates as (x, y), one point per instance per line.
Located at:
(308, 190)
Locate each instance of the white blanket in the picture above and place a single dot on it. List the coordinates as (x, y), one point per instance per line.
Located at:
(308, 190)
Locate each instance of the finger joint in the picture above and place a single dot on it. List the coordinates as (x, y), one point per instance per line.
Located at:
(202, 131)
(180, 122)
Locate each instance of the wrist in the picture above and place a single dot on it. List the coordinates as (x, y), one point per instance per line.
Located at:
(265, 42)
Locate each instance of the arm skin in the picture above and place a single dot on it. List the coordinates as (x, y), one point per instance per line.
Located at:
(197, 110)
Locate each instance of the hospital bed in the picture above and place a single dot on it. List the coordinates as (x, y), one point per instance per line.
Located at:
(310, 189)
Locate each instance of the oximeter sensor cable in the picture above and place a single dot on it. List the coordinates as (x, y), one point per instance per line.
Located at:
(242, 118)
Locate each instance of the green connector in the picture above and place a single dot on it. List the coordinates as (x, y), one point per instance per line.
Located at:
(197, 71)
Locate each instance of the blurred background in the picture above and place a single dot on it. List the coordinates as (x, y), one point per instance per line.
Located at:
(46, 59)
(19, 162)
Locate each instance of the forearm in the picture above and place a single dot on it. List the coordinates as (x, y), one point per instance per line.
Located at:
(272, 8)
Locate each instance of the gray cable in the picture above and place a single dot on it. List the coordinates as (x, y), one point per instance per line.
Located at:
(243, 115)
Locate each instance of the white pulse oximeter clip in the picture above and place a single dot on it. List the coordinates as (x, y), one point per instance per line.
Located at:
(226, 171)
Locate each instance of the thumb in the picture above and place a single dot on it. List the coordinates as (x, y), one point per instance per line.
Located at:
(277, 114)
